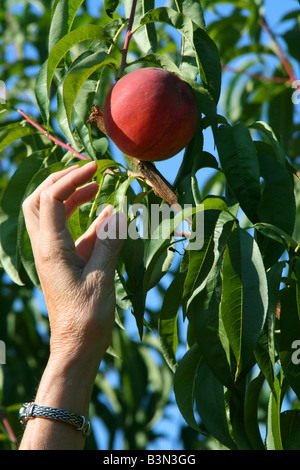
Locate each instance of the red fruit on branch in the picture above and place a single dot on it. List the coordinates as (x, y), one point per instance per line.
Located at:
(150, 114)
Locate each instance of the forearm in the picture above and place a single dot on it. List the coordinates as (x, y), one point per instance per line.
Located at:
(67, 386)
(78, 285)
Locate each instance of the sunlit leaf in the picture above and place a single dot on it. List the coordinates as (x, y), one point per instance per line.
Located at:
(239, 161)
(79, 74)
(62, 20)
(244, 296)
(205, 49)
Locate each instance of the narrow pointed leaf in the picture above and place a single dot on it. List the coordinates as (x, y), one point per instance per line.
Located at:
(245, 295)
(273, 438)
(84, 33)
(210, 402)
(62, 20)
(168, 319)
(11, 207)
(251, 412)
(239, 161)
(79, 74)
(184, 385)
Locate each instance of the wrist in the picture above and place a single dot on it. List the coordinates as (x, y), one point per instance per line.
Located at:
(67, 384)
(87, 351)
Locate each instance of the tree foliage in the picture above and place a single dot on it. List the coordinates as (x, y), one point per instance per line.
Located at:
(237, 382)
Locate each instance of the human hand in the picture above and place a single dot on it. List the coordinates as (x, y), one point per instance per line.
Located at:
(77, 279)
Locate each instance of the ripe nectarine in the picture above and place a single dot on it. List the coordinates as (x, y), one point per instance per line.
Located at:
(150, 114)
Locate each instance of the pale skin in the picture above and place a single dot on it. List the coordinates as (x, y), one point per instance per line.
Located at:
(77, 280)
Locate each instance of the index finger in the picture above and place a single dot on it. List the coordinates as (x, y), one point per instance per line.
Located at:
(31, 205)
(52, 216)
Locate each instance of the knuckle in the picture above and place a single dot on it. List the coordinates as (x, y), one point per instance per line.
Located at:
(51, 178)
(46, 194)
(26, 204)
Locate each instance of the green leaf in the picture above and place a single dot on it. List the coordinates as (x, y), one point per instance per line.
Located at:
(111, 6)
(159, 60)
(203, 289)
(275, 233)
(290, 429)
(265, 348)
(280, 117)
(218, 222)
(62, 118)
(62, 20)
(239, 161)
(297, 273)
(41, 91)
(184, 385)
(273, 438)
(163, 233)
(264, 128)
(206, 51)
(188, 65)
(10, 210)
(208, 330)
(277, 205)
(168, 318)
(210, 403)
(64, 45)
(13, 132)
(292, 37)
(289, 339)
(194, 10)
(245, 295)
(145, 36)
(251, 412)
(78, 75)
(237, 416)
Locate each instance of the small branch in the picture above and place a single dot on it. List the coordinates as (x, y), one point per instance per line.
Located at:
(279, 52)
(8, 427)
(256, 75)
(58, 142)
(127, 38)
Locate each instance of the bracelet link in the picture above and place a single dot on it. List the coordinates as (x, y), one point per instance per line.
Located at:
(85, 428)
(32, 410)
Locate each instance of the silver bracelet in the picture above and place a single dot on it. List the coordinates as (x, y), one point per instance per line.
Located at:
(32, 410)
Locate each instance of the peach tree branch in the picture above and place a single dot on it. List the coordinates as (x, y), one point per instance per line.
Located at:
(51, 137)
(281, 55)
(127, 38)
(256, 75)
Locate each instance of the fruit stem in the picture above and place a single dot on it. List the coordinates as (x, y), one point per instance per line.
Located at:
(127, 38)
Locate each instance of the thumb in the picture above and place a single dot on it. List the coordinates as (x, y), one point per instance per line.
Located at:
(111, 233)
